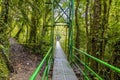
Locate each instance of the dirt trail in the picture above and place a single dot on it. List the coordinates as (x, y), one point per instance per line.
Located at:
(23, 61)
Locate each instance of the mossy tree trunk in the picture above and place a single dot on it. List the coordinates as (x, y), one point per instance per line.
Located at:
(87, 26)
(104, 27)
(44, 41)
(34, 24)
(77, 26)
(95, 29)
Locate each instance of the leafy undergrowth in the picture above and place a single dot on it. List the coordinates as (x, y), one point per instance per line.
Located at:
(4, 72)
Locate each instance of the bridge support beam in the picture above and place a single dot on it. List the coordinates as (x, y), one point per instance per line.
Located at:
(52, 27)
(71, 25)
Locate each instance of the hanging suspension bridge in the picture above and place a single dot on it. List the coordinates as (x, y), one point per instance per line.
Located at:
(62, 70)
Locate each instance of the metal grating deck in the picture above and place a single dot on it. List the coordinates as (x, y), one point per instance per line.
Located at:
(62, 70)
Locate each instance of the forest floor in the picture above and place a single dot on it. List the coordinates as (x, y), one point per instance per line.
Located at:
(23, 60)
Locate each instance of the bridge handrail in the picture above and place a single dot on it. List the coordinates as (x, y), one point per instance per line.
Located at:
(47, 69)
(84, 74)
(116, 69)
(37, 70)
(100, 78)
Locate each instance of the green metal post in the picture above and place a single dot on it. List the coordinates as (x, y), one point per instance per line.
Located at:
(71, 24)
(72, 41)
(69, 33)
(66, 41)
(52, 27)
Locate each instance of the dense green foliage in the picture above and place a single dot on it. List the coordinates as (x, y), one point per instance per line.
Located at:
(96, 30)
(99, 22)
(4, 72)
(26, 21)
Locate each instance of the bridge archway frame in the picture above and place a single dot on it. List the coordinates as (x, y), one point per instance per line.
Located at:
(63, 15)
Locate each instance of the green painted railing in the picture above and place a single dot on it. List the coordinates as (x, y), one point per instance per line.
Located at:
(47, 69)
(86, 77)
(97, 60)
(47, 58)
(87, 67)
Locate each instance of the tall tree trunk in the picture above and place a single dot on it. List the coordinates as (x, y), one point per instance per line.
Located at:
(87, 32)
(77, 40)
(34, 24)
(33, 29)
(95, 32)
(87, 26)
(104, 25)
(42, 41)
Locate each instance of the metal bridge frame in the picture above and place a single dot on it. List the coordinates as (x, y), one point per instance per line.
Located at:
(67, 12)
